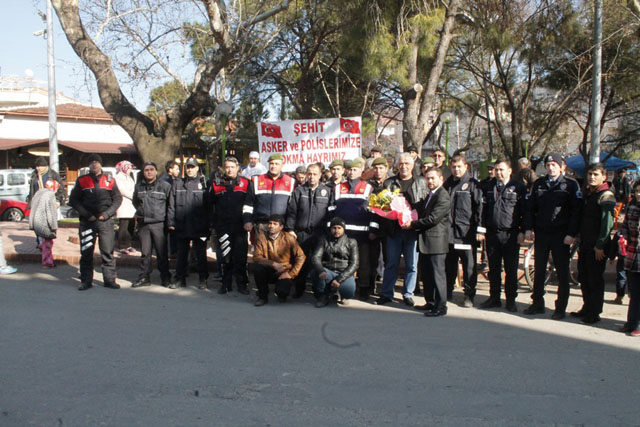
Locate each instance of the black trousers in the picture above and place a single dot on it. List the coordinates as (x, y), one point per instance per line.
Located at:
(232, 248)
(264, 275)
(376, 247)
(200, 249)
(544, 244)
(125, 232)
(153, 237)
(104, 233)
(307, 242)
(502, 246)
(434, 279)
(469, 274)
(591, 278)
(364, 264)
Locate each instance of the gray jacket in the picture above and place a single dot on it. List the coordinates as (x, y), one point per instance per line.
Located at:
(43, 219)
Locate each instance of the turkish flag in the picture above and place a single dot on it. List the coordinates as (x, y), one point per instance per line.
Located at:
(350, 126)
(271, 130)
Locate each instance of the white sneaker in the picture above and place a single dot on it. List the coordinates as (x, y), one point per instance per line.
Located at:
(8, 270)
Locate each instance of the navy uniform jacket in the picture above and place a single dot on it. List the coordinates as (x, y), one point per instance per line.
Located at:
(554, 206)
(466, 209)
(503, 208)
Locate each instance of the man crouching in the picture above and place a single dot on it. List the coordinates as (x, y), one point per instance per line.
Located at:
(277, 259)
(334, 262)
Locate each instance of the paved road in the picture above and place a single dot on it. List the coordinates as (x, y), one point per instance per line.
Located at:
(155, 357)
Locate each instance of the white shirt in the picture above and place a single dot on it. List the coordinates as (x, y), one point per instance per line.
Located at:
(258, 169)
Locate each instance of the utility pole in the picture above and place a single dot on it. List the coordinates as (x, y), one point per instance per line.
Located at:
(594, 151)
(53, 118)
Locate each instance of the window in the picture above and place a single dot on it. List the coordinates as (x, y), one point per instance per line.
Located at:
(16, 179)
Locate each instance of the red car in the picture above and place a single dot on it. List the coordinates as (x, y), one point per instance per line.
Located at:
(13, 210)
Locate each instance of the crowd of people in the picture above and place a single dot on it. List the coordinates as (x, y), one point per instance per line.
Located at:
(316, 224)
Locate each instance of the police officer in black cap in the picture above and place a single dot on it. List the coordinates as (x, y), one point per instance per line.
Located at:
(150, 198)
(96, 198)
(502, 213)
(552, 218)
(188, 216)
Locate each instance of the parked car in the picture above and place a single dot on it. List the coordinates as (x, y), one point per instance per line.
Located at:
(13, 210)
(14, 184)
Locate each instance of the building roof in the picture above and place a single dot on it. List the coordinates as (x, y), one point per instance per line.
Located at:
(63, 111)
(84, 146)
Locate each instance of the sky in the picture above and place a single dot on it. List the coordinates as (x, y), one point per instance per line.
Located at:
(20, 50)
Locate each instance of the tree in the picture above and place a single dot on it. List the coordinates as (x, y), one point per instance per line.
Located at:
(504, 61)
(407, 48)
(157, 30)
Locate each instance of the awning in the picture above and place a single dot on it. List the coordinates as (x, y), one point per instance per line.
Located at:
(86, 147)
(99, 147)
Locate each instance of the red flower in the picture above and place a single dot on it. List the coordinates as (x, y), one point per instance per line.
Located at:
(350, 126)
(271, 130)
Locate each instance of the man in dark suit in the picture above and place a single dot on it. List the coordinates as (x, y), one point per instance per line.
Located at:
(433, 243)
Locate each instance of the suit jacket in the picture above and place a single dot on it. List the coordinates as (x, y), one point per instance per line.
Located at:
(433, 223)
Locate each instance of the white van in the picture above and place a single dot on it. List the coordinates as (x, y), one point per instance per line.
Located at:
(14, 184)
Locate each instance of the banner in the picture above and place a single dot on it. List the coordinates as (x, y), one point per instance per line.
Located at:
(303, 142)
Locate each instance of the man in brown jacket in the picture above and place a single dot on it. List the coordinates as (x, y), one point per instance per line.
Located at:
(277, 259)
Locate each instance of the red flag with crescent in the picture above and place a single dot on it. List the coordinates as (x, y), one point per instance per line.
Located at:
(271, 130)
(351, 126)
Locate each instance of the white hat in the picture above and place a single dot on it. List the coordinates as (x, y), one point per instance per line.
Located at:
(254, 154)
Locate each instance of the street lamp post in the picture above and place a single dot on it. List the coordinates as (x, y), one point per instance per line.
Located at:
(223, 110)
(447, 117)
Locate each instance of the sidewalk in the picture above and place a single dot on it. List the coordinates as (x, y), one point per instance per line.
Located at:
(19, 244)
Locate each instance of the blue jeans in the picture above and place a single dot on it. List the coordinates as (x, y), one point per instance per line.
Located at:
(322, 287)
(402, 243)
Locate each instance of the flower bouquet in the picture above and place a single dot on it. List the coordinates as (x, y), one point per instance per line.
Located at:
(392, 205)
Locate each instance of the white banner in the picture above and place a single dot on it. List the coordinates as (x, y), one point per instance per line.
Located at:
(303, 142)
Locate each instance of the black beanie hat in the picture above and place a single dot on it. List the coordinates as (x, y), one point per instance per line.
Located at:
(41, 161)
(337, 221)
(94, 158)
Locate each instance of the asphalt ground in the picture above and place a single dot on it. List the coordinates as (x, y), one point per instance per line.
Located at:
(156, 357)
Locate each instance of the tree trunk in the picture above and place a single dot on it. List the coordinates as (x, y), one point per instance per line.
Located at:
(418, 103)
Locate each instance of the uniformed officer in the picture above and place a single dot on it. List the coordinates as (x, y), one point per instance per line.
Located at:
(188, 216)
(337, 173)
(268, 195)
(151, 198)
(552, 218)
(464, 230)
(307, 218)
(227, 195)
(595, 227)
(351, 201)
(502, 214)
(96, 198)
(380, 169)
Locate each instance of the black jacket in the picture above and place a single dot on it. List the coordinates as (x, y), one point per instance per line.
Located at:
(95, 195)
(227, 197)
(503, 210)
(307, 209)
(554, 207)
(151, 201)
(338, 255)
(466, 208)
(433, 223)
(188, 203)
(415, 195)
